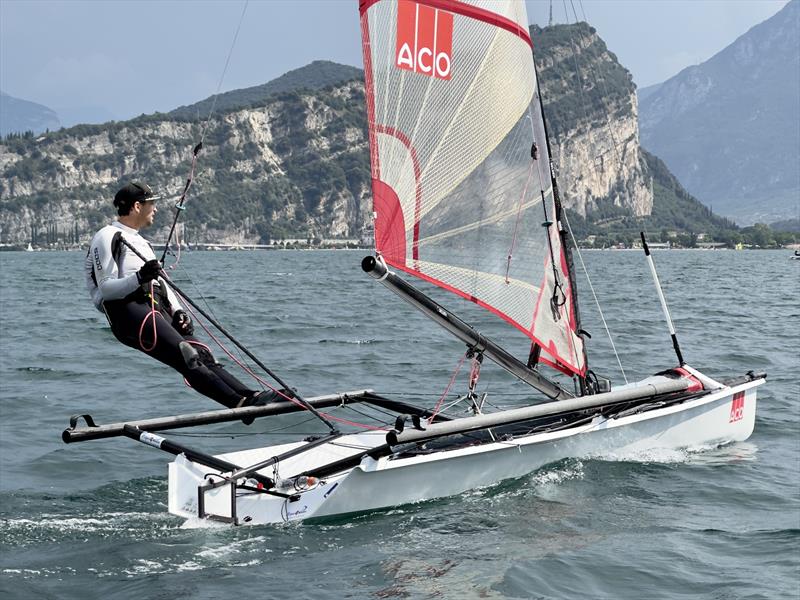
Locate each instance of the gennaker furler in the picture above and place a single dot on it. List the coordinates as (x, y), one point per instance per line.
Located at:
(465, 198)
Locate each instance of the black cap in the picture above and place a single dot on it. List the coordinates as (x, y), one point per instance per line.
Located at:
(133, 192)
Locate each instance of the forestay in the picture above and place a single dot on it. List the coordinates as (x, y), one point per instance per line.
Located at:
(461, 175)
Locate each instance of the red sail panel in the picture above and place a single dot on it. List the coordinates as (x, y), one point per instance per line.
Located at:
(459, 200)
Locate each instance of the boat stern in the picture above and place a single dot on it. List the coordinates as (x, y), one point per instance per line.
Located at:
(199, 493)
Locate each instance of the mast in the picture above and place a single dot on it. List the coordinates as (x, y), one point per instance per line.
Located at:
(565, 243)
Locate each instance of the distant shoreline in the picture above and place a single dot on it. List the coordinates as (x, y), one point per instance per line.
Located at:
(221, 248)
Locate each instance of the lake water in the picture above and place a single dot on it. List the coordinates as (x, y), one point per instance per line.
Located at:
(89, 520)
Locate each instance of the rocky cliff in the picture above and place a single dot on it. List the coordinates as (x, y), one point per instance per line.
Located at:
(296, 164)
(591, 107)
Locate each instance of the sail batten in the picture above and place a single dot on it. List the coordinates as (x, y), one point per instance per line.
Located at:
(460, 163)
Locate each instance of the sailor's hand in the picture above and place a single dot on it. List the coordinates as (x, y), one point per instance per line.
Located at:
(149, 271)
(182, 322)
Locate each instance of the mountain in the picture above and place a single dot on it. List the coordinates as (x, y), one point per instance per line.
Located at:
(295, 163)
(729, 128)
(314, 76)
(790, 225)
(644, 92)
(19, 116)
(75, 115)
(295, 166)
(677, 216)
(591, 110)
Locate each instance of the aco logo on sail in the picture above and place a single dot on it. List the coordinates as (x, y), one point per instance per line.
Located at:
(424, 39)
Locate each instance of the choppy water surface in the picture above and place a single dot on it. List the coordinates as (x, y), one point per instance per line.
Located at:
(89, 520)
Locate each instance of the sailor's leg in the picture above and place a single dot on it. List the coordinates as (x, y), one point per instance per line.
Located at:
(206, 380)
(209, 361)
(230, 380)
(170, 348)
(252, 398)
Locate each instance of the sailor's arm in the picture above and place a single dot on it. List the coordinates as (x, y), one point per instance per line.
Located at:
(106, 271)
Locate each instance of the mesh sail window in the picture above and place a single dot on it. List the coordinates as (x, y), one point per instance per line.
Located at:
(460, 170)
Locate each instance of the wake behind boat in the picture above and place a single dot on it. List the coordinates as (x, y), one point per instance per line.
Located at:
(465, 197)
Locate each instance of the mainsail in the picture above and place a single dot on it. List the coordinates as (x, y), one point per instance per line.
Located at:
(461, 180)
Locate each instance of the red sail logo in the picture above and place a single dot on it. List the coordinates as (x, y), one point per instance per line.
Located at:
(424, 39)
(737, 407)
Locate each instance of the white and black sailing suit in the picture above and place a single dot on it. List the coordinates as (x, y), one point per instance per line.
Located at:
(111, 277)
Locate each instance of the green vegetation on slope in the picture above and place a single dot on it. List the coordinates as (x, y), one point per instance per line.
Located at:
(580, 79)
(677, 217)
(316, 75)
(320, 171)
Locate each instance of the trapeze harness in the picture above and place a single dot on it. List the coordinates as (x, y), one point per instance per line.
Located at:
(141, 315)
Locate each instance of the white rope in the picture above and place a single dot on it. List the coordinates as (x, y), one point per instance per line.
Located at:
(600, 83)
(224, 71)
(594, 295)
(379, 258)
(186, 271)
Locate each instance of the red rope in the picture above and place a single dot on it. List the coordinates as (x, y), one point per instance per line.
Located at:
(222, 347)
(475, 372)
(516, 223)
(447, 390)
(150, 315)
(264, 383)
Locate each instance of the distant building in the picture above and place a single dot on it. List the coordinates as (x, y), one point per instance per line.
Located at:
(339, 242)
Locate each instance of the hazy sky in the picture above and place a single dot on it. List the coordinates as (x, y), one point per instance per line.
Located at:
(125, 58)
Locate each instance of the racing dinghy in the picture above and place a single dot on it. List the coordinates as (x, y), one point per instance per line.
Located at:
(465, 198)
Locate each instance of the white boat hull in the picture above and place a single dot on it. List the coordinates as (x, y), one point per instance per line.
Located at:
(720, 417)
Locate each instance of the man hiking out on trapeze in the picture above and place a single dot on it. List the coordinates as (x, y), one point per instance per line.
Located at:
(144, 312)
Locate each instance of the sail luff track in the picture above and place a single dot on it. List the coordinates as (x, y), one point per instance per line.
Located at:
(564, 243)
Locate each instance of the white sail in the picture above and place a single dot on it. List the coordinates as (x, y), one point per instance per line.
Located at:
(459, 199)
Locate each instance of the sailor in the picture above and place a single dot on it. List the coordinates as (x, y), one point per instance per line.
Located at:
(144, 313)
